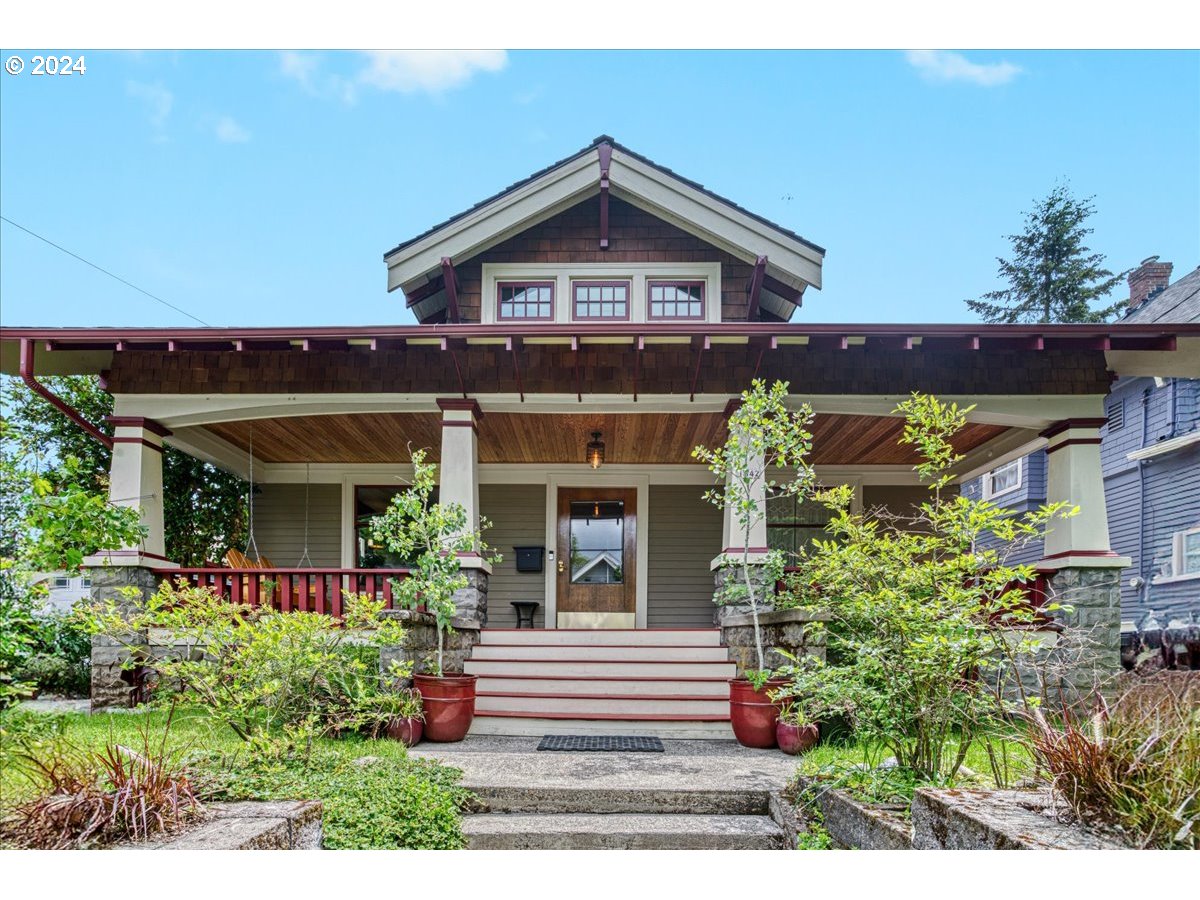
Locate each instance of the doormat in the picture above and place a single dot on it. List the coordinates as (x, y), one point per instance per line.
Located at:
(601, 743)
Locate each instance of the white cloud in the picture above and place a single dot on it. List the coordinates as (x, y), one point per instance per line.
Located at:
(157, 101)
(944, 65)
(403, 71)
(229, 131)
(428, 71)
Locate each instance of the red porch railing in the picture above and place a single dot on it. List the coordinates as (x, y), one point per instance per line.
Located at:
(287, 590)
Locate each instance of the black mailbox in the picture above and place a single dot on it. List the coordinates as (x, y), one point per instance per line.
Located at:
(529, 559)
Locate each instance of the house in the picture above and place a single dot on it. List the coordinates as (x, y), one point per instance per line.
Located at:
(63, 589)
(1150, 454)
(578, 334)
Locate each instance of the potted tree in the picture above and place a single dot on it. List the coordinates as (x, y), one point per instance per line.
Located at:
(431, 536)
(764, 436)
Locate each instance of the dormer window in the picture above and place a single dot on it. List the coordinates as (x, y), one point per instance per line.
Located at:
(600, 300)
(525, 300)
(675, 300)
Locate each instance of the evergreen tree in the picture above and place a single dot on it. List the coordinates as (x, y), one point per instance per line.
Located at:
(1052, 276)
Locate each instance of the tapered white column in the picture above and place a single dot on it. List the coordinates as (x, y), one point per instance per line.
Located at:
(136, 481)
(459, 469)
(735, 541)
(1074, 474)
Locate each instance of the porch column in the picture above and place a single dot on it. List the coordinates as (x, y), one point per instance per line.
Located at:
(136, 481)
(737, 545)
(1085, 572)
(459, 483)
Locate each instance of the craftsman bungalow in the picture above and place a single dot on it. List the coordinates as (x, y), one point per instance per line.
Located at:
(579, 333)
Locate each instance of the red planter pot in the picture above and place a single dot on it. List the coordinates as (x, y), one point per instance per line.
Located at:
(796, 739)
(449, 703)
(406, 731)
(752, 713)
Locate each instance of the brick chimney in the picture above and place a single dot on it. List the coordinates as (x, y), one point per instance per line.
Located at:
(1147, 280)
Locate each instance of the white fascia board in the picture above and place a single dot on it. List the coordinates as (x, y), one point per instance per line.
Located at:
(1168, 446)
(719, 223)
(490, 224)
(182, 410)
(1004, 448)
(1182, 362)
(204, 445)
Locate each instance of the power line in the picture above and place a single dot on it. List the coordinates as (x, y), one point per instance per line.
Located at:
(105, 271)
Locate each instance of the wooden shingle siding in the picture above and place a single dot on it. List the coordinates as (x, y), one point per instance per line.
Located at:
(518, 516)
(607, 369)
(634, 236)
(279, 524)
(685, 535)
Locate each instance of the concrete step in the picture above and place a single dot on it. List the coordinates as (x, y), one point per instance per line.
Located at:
(603, 687)
(538, 724)
(614, 705)
(543, 799)
(693, 637)
(639, 831)
(602, 652)
(613, 669)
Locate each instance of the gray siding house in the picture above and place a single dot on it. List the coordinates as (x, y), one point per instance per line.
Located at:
(1150, 451)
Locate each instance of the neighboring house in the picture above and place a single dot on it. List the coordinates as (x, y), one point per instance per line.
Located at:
(1150, 452)
(603, 294)
(63, 590)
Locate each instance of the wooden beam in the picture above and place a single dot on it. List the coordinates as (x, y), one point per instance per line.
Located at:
(755, 288)
(605, 151)
(575, 353)
(638, 346)
(451, 282)
(701, 346)
(426, 290)
(513, 345)
(786, 291)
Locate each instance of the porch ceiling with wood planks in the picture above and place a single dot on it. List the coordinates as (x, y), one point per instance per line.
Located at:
(561, 438)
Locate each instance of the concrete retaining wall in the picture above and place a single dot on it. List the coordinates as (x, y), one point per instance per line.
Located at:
(250, 825)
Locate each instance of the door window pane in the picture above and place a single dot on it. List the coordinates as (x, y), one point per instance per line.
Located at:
(597, 535)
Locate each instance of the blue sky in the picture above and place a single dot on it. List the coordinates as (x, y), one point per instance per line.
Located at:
(260, 188)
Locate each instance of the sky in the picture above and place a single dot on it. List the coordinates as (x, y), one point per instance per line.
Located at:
(262, 188)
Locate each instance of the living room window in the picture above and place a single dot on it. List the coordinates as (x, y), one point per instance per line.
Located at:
(793, 523)
(674, 300)
(1002, 479)
(525, 300)
(599, 300)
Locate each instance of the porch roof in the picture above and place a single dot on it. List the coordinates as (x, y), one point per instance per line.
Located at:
(1134, 348)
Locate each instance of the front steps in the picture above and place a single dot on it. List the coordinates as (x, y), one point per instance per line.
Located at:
(669, 683)
(641, 831)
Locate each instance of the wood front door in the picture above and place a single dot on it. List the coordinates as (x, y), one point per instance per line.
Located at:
(596, 568)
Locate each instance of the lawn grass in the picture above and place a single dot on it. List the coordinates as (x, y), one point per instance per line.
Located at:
(392, 802)
(855, 767)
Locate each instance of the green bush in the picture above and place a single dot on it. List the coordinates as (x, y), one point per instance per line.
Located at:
(60, 660)
(383, 804)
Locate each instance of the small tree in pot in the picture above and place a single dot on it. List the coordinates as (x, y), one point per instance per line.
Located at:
(431, 537)
(765, 437)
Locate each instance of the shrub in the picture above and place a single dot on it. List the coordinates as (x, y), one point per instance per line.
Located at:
(1133, 767)
(926, 624)
(379, 804)
(260, 671)
(90, 798)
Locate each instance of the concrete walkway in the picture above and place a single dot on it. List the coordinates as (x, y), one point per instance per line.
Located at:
(515, 762)
(695, 795)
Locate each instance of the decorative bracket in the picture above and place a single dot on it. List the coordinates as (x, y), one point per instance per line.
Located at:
(451, 283)
(605, 164)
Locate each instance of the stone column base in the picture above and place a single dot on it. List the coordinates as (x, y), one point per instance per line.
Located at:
(114, 685)
(471, 601)
(798, 631)
(726, 574)
(420, 643)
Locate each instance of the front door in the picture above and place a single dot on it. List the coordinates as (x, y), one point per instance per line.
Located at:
(597, 531)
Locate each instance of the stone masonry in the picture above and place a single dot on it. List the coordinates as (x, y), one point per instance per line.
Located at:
(471, 601)
(420, 642)
(800, 632)
(114, 686)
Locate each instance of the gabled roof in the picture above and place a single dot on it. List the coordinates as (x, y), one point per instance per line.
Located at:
(792, 259)
(1179, 302)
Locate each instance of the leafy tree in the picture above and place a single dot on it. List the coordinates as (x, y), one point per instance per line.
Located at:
(430, 536)
(1052, 276)
(763, 435)
(929, 629)
(204, 508)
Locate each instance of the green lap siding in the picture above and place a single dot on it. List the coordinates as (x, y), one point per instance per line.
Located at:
(685, 535)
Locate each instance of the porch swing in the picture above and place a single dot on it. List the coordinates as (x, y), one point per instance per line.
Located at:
(234, 558)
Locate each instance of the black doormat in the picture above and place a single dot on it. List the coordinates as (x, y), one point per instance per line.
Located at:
(592, 743)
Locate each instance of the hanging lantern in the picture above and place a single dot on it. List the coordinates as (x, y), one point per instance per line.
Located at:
(595, 451)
